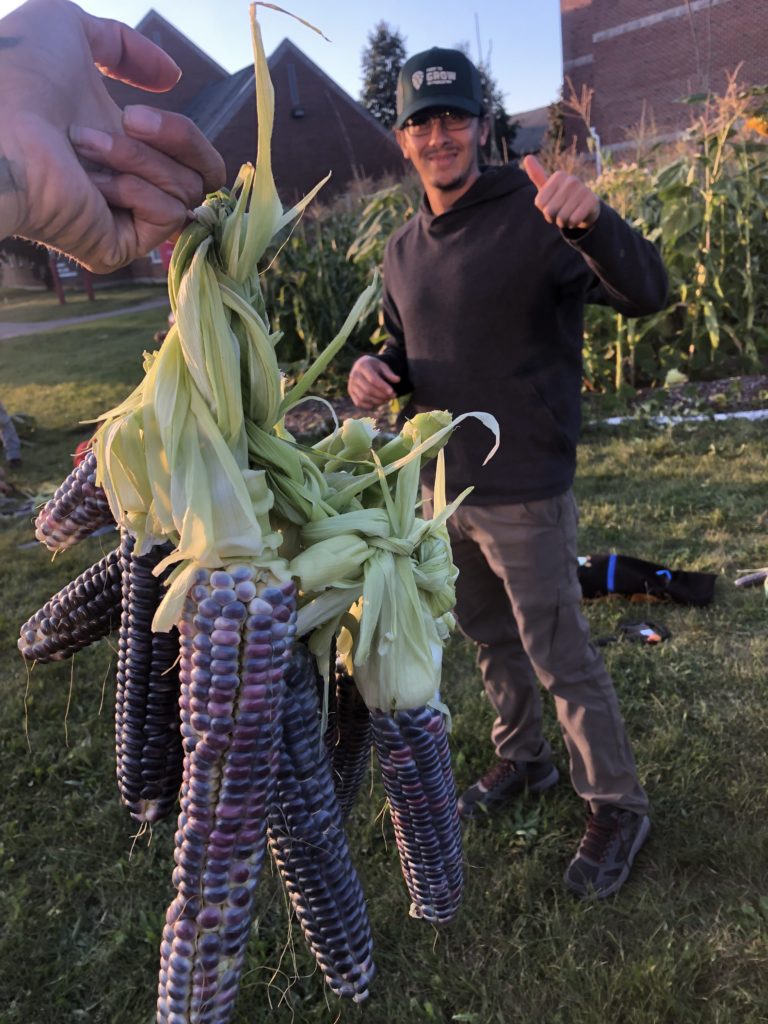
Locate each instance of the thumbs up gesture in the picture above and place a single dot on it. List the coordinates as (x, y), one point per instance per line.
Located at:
(562, 198)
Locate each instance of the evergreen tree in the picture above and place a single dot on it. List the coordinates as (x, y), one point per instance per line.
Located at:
(381, 62)
(554, 140)
(498, 148)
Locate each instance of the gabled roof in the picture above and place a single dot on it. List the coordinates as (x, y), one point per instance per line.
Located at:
(289, 49)
(152, 13)
(214, 107)
(531, 118)
(532, 127)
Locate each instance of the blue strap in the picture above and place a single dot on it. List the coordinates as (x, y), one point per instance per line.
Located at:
(665, 572)
(611, 578)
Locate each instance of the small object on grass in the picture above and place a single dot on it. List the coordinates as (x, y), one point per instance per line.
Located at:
(649, 633)
(644, 632)
(752, 579)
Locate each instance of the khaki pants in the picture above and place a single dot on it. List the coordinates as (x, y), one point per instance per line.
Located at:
(518, 598)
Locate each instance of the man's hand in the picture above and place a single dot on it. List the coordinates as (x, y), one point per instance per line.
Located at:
(562, 198)
(370, 382)
(77, 173)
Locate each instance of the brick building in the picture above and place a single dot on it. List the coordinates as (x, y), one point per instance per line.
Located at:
(641, 57)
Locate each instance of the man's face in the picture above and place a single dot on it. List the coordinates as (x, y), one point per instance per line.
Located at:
(444, 156)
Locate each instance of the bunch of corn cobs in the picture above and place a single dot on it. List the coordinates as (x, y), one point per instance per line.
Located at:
(223, 714)
(246, 561)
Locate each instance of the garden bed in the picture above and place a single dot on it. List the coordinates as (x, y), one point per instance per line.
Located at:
(692, 398)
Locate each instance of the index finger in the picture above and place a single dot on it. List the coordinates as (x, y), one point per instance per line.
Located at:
(123, 53)
(177, 137)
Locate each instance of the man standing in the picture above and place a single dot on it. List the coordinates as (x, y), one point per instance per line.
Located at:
(484, 292)
(9, 438)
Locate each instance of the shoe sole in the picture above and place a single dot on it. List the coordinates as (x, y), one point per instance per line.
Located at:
(642, 834)
(540, 786)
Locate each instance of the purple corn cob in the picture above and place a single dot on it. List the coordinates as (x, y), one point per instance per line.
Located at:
(85, 610)
(308, 843)
(348, 740)
(415, 761)
(236, 636)
(78, 508)
(147, 737)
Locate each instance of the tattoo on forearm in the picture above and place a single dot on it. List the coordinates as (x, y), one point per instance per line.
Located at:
(8, 181)
(6, 42)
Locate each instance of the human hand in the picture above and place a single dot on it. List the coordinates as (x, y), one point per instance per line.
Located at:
(370, 382)
(562, 198)
(76, 173)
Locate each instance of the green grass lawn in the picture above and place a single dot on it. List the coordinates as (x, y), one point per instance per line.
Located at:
(82, 898)
(22, 306)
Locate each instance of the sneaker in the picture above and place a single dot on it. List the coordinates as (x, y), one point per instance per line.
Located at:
(606, 852)
(507, 779)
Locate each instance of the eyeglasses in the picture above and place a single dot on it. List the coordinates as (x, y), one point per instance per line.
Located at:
(451, 120)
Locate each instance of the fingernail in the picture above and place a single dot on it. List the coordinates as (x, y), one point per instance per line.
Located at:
(90, 138)
(143, 120)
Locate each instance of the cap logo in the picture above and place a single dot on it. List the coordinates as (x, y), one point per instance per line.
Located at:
(439, 76)
(418, 79)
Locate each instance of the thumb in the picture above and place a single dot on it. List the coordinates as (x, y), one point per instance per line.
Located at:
(535, 170)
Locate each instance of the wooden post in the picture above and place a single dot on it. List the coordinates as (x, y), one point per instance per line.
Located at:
(57, 285)
(88, 283)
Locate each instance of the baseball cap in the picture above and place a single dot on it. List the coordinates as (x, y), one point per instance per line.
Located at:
(438, 78)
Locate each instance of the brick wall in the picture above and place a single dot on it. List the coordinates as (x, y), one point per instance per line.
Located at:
(653, 53)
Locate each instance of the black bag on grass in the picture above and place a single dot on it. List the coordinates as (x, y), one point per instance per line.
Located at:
(601, 575)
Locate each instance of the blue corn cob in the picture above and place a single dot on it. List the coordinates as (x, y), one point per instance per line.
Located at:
(77, 509)
(307, 841)
(147, 737)
(348, 739)
(236, 636)
(87, 609)
(415, 761)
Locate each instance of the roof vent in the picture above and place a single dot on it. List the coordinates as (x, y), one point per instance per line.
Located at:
(297, 110)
